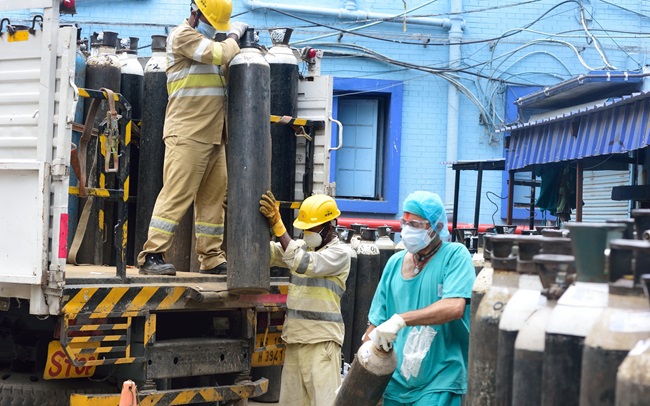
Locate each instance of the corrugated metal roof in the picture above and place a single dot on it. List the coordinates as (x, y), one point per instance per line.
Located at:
(612, 127)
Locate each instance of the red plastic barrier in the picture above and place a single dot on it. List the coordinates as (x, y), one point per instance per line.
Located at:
(395, 226)
(372, 223)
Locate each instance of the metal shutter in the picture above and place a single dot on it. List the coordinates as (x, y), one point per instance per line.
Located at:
(597, 195)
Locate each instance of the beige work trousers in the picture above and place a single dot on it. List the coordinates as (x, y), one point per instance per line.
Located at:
(193, 172)
(311, 374)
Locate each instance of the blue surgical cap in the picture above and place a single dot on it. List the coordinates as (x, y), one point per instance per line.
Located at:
(428, 206)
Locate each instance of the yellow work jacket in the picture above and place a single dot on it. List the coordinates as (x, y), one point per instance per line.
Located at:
(316, 285)
(196, 84)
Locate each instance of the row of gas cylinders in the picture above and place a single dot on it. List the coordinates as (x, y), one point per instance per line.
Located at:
(561, 318)
(264, 84)
(108, 63)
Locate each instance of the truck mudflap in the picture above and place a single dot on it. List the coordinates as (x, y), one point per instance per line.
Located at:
(243, 390)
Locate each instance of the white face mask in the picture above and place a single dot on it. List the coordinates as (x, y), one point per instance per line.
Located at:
(415, 240)
(206, 29)
(312, 239)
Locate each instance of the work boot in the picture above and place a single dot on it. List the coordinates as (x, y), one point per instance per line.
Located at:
(220, 269)
(154, 264)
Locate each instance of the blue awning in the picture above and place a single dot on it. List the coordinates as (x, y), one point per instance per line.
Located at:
(612, 127)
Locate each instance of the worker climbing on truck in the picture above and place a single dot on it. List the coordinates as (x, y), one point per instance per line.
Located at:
(313, 328)
(195, 137)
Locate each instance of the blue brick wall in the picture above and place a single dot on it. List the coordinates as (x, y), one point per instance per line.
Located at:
(521, 58)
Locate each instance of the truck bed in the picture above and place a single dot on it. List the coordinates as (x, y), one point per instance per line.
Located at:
(97, 274)
(199, 288)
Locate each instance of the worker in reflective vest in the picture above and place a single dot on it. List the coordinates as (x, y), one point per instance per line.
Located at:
(313, 328)
(195, 138)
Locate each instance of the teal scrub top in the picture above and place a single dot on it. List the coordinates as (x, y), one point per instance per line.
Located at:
(449, 274)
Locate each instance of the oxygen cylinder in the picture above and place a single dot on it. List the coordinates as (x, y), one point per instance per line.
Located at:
(152, 147)
(629, 223)
(554, 233)
(641, 221)
(632, 379)
(102, 70)
(482, 282)
(131, 87)
(556, 272)
(284, 102)
(249, 166)
(368, 377)
(131, 76)
(79, 81)
(479, 258)
(540, 229)
(385, 245)
(348, 298)
(576, 312)
(526, 300)
(625, 321)
(483, 342)
(368, 275)
(356, 237)
(94, 44)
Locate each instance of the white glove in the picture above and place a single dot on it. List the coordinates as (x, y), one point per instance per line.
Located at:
(238, 28)
(384, 335)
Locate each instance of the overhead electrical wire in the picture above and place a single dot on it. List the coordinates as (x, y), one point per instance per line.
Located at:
(496, 76)
(625, 8)
(376, 55)
(404, 13)
(594, 40)
(352, 31)
(450, 78)
(440, 71)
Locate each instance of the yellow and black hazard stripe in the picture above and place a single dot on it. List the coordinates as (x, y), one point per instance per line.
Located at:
(289, 205)
(97, 321)
(98, 94)
(126, 300)
(179, 396)
(295, 121)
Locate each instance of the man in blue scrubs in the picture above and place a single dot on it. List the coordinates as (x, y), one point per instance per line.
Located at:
(422, 301)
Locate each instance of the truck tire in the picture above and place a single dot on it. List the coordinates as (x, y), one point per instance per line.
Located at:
(19, 389)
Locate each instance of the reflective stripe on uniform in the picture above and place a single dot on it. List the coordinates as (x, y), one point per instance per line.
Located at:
(198, 52)
(196, 92)
(208, 230)
(321, 316)
(211, 81)
(163, 225)
(318, 283)
(171, 60)
(217, 56)
(303, 265)
(195, 69)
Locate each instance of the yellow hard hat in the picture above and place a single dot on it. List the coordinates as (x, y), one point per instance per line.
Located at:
(217, 12)
(316, 210)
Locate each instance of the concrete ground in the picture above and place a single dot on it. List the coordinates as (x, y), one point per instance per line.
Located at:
(252, 403)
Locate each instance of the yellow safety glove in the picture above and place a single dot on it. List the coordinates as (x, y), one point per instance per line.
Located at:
(269, 207)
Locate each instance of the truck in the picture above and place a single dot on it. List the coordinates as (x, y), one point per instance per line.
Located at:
(72, 334)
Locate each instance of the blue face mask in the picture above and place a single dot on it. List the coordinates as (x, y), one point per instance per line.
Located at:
(206, 29)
